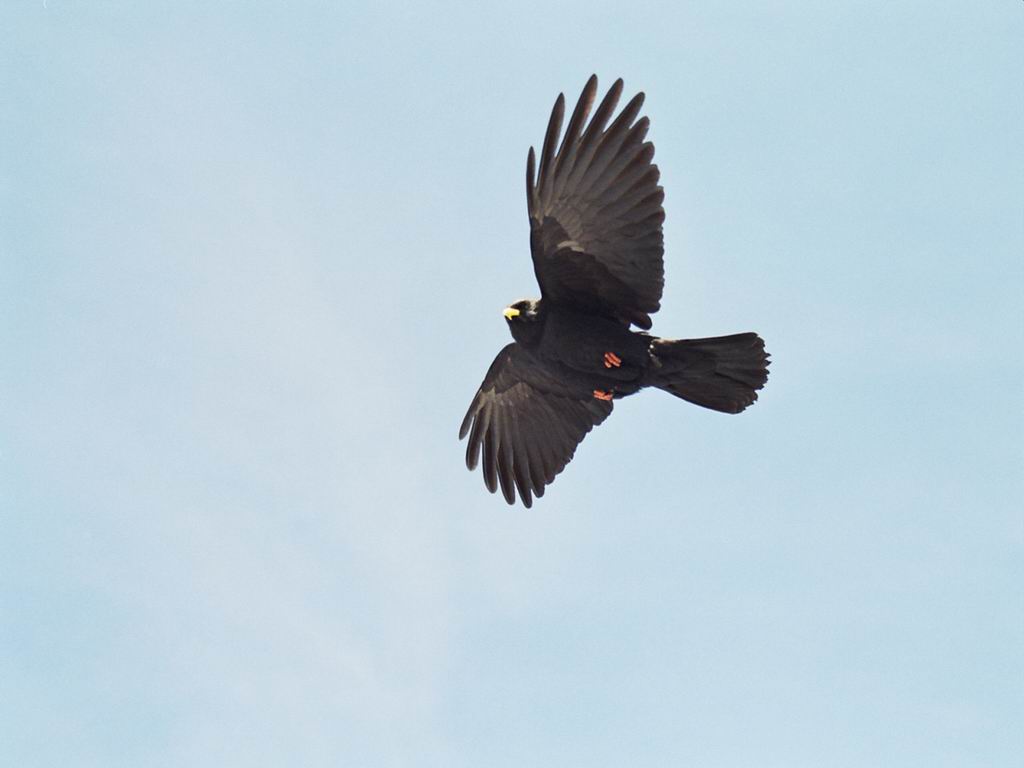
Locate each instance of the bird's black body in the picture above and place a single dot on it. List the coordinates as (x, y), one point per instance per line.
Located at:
(572, 344)
(596, 240)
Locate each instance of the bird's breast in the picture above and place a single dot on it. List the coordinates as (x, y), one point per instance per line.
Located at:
(595, 346)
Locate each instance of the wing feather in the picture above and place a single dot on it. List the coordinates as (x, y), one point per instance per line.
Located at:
(531, 163)
(491, 452)
(505, 457)
(596, 210)
(547, 154)
(566, 154)
(526, 425)
(590, 140)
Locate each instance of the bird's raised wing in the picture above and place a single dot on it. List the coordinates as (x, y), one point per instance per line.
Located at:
(595, 211)
(526, 424)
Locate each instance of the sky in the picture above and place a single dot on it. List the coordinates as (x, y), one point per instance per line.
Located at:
(253, 258)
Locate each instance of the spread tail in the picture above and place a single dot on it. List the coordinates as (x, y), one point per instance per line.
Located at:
(721, 373)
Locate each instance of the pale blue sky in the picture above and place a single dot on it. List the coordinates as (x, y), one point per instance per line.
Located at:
(252, 263)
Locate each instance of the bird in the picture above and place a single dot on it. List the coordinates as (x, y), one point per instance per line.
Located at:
(596, 213)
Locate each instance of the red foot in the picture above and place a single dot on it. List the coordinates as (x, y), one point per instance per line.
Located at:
(611, 360)
(601, 395)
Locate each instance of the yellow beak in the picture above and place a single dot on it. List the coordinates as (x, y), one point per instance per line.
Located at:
(510, 312)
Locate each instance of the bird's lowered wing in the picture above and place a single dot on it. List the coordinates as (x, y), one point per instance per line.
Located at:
(526, 424)
(595, 211)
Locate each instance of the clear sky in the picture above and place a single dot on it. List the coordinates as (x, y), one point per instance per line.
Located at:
(252, 262)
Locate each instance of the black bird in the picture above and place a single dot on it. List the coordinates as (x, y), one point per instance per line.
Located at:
(596, 214)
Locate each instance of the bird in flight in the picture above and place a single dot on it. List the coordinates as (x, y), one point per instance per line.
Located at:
(596, 216)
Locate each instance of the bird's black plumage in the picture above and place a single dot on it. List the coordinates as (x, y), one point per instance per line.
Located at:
(596, 216)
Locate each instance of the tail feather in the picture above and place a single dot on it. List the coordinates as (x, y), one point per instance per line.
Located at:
(722, 373)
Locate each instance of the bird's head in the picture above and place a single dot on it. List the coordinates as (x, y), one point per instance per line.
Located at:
(523, 320)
